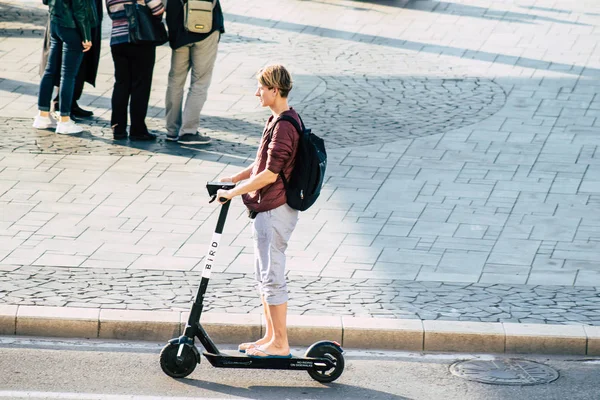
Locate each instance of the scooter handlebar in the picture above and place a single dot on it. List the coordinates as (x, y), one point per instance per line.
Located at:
(214, 187)
(221, 199)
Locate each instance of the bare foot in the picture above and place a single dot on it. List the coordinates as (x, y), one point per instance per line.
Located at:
(268, 350)
(245, 346)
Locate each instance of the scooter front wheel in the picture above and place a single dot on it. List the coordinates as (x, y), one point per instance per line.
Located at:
(178, 367)
(334, 355)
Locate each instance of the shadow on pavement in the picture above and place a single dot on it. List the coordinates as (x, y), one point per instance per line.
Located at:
(330, 391)
(349, 7)
(547, 9)
(97, 139)
(416, 106)
(39, 15)
(463, 10)
(424, 47)
(97, 130)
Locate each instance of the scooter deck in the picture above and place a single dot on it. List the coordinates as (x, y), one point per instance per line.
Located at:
(235, 359)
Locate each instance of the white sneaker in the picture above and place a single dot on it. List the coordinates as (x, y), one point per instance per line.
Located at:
(44, 122)
(68, 127)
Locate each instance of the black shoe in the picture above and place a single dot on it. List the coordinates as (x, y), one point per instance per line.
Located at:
(194, 138)
(120, 135)
(146, 137)
(79, 112)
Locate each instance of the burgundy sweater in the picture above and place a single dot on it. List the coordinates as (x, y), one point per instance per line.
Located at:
(277, 152)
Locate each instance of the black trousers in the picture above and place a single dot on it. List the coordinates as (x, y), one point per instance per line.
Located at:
(80, 80)
(134, 65)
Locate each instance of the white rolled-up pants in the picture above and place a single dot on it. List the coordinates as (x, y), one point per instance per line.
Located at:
(271, 232)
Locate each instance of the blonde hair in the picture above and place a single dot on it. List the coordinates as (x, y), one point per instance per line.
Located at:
(275, 76)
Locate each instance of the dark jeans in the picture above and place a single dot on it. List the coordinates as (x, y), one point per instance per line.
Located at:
(134, 65)
(65, 43)
(79, 83)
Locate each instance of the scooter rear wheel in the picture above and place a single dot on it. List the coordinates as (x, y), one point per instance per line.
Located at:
(332, 353)
(178, 368)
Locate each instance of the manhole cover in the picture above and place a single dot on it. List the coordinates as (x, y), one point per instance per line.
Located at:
(504, 372)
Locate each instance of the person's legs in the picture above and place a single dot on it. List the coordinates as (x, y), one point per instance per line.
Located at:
(142, 67)
(87, 62)
(121, 90)
(278, 345)
(180, 66)
(44, 62)
(269, 329)
(77, 92)
(72, 55)
(79, 81)
(52, 69)
(203, 57)
(273, 231)
(43, 120)
(76, 110)
(262, 234)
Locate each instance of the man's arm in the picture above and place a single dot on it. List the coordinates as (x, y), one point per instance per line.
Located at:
(242, 175)
(257, 182)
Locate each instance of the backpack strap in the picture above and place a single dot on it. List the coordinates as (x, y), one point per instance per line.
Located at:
(298, 128)
(292, 120)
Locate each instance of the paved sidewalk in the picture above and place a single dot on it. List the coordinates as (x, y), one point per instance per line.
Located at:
(310, 296)
(463, 177)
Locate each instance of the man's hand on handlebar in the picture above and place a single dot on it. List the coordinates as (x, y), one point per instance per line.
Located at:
(223, 196)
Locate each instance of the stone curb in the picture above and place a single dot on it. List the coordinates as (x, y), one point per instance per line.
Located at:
(351, 332)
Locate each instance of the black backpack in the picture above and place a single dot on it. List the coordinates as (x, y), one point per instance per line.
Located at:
(306, 179)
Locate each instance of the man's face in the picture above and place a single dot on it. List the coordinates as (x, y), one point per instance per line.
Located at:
(265, 95)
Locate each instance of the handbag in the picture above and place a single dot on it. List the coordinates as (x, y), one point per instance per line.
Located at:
(144, 28)
(198, 15)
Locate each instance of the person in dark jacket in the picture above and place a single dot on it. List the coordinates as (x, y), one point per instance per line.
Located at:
(88, 69)
(134, 66)
(70, 36)
(263, 192)
(190, 51)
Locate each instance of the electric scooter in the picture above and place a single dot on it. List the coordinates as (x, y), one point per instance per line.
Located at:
(324, 360)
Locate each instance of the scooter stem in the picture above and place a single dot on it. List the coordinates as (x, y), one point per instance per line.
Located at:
(191, 329)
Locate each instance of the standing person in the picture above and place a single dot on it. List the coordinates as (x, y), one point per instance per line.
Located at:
(264, 194)
(190, 51)
(70, 36)
(134, 66)
(88, 69)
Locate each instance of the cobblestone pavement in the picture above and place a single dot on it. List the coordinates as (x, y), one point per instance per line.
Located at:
(235, 293)
(463, 164)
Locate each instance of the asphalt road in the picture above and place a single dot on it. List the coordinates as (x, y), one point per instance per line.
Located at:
(70, 369)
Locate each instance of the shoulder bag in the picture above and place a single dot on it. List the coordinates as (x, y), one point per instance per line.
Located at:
(144, 28)
(198, 15)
